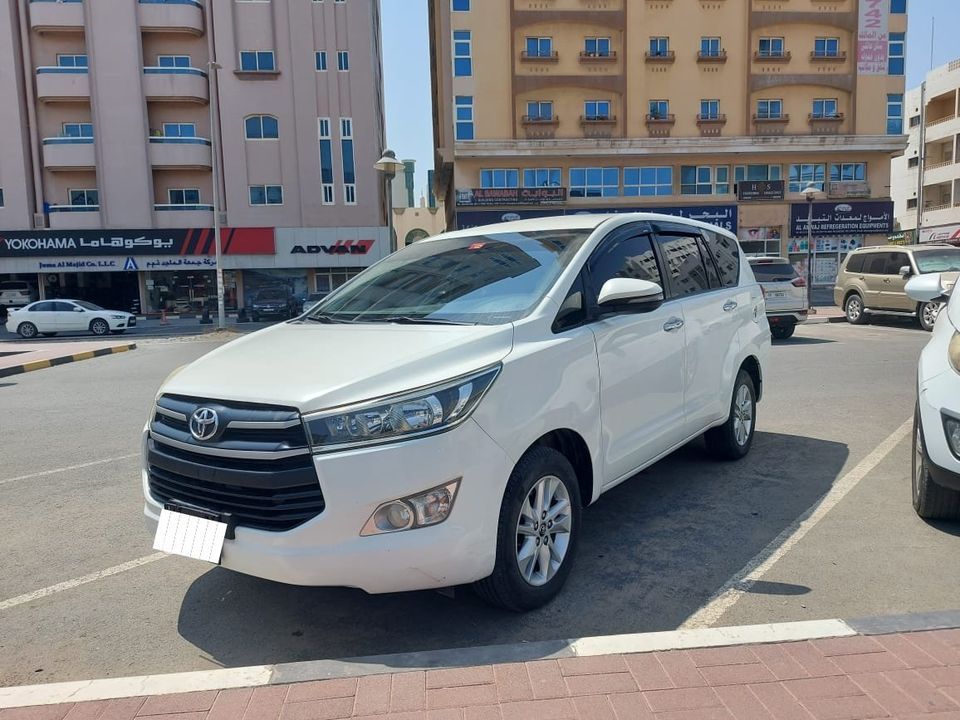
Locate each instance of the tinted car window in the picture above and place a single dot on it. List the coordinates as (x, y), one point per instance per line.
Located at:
(855, 263)
(932, 261)
(62, 307)
(875, 263)
(631, 257)
(712, 275)
(42, 307)
(727, 254)
(773, 272)
(684, 264)
(13, 285)
(895, 261)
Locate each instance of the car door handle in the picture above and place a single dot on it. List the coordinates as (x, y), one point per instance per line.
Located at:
(673, 324)
(730, 306)
(886, 280)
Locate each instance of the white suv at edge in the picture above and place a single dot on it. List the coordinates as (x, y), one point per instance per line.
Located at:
(443, 418)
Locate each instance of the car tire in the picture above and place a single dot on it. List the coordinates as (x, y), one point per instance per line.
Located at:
(27, 330)
(518, 585)
(931, 501)
(927, 314)
(854, 309)
(782, 332)
(99, 327)
(732, 440)
(254, 317)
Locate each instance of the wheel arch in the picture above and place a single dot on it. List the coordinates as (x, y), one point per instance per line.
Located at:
(572, 446)
(92, 321)
(752, 366)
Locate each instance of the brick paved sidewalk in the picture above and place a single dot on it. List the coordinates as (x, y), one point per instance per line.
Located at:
(908, 675)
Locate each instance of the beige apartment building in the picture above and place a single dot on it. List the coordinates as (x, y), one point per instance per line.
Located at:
(722, 110)
(111, 168)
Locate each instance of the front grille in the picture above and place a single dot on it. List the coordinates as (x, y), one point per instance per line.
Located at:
(263, 476)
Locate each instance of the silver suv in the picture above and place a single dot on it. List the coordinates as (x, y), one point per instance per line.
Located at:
(784, 293)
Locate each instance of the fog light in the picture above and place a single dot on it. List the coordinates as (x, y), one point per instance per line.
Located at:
(428, 508)
(952, 426)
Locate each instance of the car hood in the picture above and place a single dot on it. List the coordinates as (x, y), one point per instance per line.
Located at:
(314, 367)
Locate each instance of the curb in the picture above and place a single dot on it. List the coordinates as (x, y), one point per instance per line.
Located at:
(64, 359)
(297, 672)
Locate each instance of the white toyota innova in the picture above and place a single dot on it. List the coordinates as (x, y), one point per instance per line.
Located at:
(444, 417)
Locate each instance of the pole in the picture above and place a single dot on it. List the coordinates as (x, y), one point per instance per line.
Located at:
(810, 253)
(390, 236)
(215, 148)
(921, 157)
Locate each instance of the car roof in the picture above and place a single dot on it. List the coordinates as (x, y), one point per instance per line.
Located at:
(767, 259)
(912, 248)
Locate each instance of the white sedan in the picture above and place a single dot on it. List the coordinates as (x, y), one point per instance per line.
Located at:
(48, 317)
(936, 425)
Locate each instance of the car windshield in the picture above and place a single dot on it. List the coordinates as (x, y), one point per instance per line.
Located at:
(87, 305)
(773, 272)
(479, 279)
(934, 261)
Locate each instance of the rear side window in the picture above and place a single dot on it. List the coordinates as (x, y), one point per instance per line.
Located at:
(62, 307)
(773, 272)
(42, 307)
(727, 254)
(875, 263)
(688, 274)
(855, 263)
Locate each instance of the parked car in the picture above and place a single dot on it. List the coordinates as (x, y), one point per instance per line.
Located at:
(442, 418)
(16, 293)
(936, 420)
(784, 293)
(49, 317)
(275, 302)
(872, 281)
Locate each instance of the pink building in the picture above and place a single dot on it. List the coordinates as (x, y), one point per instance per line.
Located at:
(106, 170)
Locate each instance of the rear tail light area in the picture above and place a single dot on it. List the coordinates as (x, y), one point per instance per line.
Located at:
(798, 282)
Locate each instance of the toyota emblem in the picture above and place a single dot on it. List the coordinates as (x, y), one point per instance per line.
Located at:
(204, 423)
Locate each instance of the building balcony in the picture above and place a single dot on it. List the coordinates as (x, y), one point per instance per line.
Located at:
(711, 125)
(63, 84)
(667, 56)
(770, 125)
(783, 57)
(660, 125)
(598, 127)
(825, 124)
(719, 57)
(543, 57)
(940, 173)
(181, 152)
(183, 16)
(942, 128)
(824, 58)
(540, 128)
(590, 58)
(182, 216)
(175, 84)
(56, 15)
(69, 153)
(74, 217)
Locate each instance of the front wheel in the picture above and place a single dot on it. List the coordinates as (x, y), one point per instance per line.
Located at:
(782, 332)
(927, 314)
(854, 310)
(732, 440)
(537, 534)
(931, 501)
(99, 327)
(27, 330)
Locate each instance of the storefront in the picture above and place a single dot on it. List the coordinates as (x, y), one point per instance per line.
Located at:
(949, 234)
(724, 216)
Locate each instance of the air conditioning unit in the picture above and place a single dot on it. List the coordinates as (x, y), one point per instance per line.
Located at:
(223, 219)
(848, 189)
(39, 221)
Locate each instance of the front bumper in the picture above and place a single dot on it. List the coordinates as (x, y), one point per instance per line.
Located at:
(934, 393)
(329, 551)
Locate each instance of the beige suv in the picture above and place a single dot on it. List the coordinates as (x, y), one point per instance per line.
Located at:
(872, 281)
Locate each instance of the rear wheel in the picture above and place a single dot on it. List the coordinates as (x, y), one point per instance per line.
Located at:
(931, 501)
(782, 332)
(27, 330)
(854, 310)
(732, 440)
(99, 326)
(927, 314)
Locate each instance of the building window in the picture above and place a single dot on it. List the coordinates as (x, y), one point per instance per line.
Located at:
(463, 108)
(911, 203)
(596, 47)
(499, 178)
(71, 61)
(826, 47)
(266, 194)
(349, 170)
(659, 46)
(173, 61)
(825, 108)
(596, 110)
(257, 61)
(709, 109)
(710, 46)
(262, 127)
(704, 180)
(321, 60)
(898, 7)
(541, 177)
(343, 60)
(183, 196)
(771, 47)
(757, 172)
(77, 130)
(539, 110)
(895, 114)
(594, 182)
(462, 53)
(647, 181)
(897, 53)
(89, 198)
(802, 175)
(913, 162)
(848, 172)
(769, 109)
(181, 130)
(915, 121)
(460, 5)
(539, 47)
(326, 160)
(1, 197)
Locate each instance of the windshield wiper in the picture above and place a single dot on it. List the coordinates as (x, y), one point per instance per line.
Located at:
(326, 319)
(410, 320)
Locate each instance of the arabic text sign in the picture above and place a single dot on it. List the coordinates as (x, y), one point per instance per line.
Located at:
(873, 37)
(473, 197)
(79, 243)
(724, 216)
(946, 234)
(854, 218)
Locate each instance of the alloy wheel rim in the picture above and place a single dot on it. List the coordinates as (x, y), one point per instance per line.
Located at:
(853, 308)
(930, 313)
(100, 328)
(917, 464)
(543, 531)
(743, 415)
(29, 331)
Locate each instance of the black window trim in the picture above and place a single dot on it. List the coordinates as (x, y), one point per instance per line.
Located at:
(666, 230)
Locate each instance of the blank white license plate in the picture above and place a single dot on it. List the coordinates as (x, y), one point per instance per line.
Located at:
(192, 537)
(777, 294)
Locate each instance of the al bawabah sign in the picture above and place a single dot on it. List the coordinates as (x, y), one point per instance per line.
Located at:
(186, 241)
(853, 218)
(479, 197)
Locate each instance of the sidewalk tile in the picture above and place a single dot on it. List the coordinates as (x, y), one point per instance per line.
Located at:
(909, 653)
(458, 677)
(86, 710)
(122, 708)
(322, 689)
(198, 715)
(325, 709)
(620, 682)
(230, 704)
(950, 715)
(815, 664)
(680, 669)
(736, 674)
(444, 714)
(892, 698)
(780, 703)
(408, 692)
(827, 687)
(869, 662)
(373, 695)
(42, 712)
(857, 707)
(723, 656)
(411, 715)
(779, 662)
(855, 645)
(681, 699)
(952, 692)
(921, 690)
(940, 676)
(598, 665)
(554, 709)
(630, 706)
(266, 702)
(489, 712)
(950, 637)
(179, 703)
(648, 672)
(931, 644)
(513, 682)
(594, 707)
(710, 713)
(742, 703)
(546, 680)
(459, 697)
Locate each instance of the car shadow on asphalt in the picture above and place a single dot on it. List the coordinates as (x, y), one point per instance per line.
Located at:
(653, 551)
(797, 340)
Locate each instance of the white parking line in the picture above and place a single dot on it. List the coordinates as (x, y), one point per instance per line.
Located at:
(44, 473)
(70, 584)
(727, 596)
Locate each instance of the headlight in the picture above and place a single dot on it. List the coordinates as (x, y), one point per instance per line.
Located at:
(419, 412)
(117, 317)
(953, 351)
(952, 427)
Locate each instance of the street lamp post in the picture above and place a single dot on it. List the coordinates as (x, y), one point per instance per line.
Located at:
(389, 166)
(810, 193)
(213, 68)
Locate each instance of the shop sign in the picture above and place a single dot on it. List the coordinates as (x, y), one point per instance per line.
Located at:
(724, 216)
(945, 234)
(477, 197)
(119, 264)
(857, 218)
(186, 241)
(873, 37)
(341, 247)
(748, 190)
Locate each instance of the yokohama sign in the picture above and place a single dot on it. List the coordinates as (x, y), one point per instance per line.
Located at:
(81, 243)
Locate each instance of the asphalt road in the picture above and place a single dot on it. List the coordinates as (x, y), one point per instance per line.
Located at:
(655, 550)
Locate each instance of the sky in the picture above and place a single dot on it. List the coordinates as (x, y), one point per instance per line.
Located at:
(406, 68)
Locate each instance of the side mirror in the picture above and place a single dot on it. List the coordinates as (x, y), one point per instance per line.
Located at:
(78, 309)
(926, 288)
(630, 294)
(906, 271)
